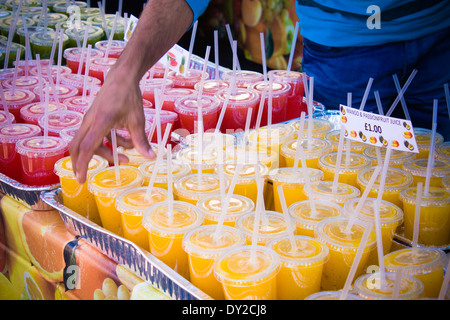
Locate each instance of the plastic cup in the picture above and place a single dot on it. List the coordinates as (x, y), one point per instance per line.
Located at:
(434, 225)
(61, 7)
(8, 73)
(211, 207)
(443, 151)
(58, 120)
(62, 92)
(343, 247)
(54, 69)
(179, 169)
(323, 190)
(244, 78)
(17, 100)
(94, 34)
(423, 140)
(75, 196)
(272, 225)
(247, 154)
(10, 164)
(68, 133)
(125, 133)
(331, 295)
(333, 138)
(31, 29)
(313, 149)
(301, 268)
(77, 103)
(68, 24)
(243, 278)
(348, 171)
(135, 158)
(115, 49)
(212, 86)
(203, 249)
(187, 109)
(42, 42)
(86, 13)
(410, 288)
(165, 117)
(72, 57)
(396, 159)
(6, 117)
(77, 80)
(98, 67)
(191, 189)
(307, 216)
(170, 96)
(209, 138)
(132, 204)
(119, 31)
(158, 70)
(210, 158)
(292, 181)
(6, 21)
(22, 82)
(239, 102)
(396, 180)
(320, 127)
(166, 231)
(418, 169)
(426, 264)
(31, 113)
(38, 156)
(12, 54)
(188, 80)
(105, 187)
(148, 87)
(53, 18)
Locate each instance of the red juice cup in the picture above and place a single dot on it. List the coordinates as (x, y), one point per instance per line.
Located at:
(295, 80)
(280, 94)
(72, 56)
(10, 164)
(46, 73)
(115, 50)
(38, 156)
(62, 92)
(22, 82)
(99, 67)
(8, 73)
(148, 87)
(67, 134)
(188, 80)
(212, 86)
(158, 70)
(28, 65)
(239, 102)
(170, 96)
(4, 117)
(187, 109)
(147, 104)
(244, 78)
(31, 113)
(77, 103)
(124, 133)
(58, 120)
(77, 80)
(15, 101)
(165, 117)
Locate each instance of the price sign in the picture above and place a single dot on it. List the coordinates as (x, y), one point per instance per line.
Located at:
(378, 130)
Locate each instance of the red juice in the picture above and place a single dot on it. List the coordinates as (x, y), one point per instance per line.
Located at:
(38, 156)
(58, 120)
(10, 164)
(99, 67)
(188, 80)
(17, 99)
(187, 110)
(244, 78)
(165, 117)
(211, 87)
(31, 113)
(73, 55)
(148, 87)
(115, 50)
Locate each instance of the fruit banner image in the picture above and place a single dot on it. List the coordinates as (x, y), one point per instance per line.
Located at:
(41, 260)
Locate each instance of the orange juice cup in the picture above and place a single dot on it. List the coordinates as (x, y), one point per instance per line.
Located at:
(434, 225)
(301, 268)
(167, 229)
(75, 196)
(418, 169)
(204, 248)
(293, 181)
(333, 138)
(423, 140)
(343, 246)
(320, 127)
(209, 158)
(396, 159)
(443, 151)
(245, 278)
(106, 186)
(426, 264)
(135, 158)
(323, 190)
(179, 169)
(211, 207)
(191, 189)
(209, 138)
(446, 182)
(271, 225)
(248, 154)
(244, 78)
(307, 215)
(313, 150)
(396, 180)
(132, 204)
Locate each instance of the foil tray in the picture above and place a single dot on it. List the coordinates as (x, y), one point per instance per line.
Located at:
(124, 252)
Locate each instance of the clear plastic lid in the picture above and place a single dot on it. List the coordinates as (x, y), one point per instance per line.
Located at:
(389, 212)
(17, 131)
(355, 163)
(324, 190)
(308, 215)
(62, 91)
(102, 64)
(62, 6)
(189, 105)
(106, 183)
(68, 133)
(443, 151)
(40, 146)
(179, 169)
(77, 80)
(228, 140)
(320, 127)
(156, 83)
(279, 132)
(135, 158)
(53, 18)
(64, 169)
(4, 117)
(53, 71)
(172, 94)
(165, 116)
(77, 103)
(333, 138)
(278, 88)
(397, 157)
(211, 86)
(332, 295)
(33, 111)
(211, 206)
(97, 20)
(93, 33)
(239, 98)
(32, 29)
(45, 38)
(396, 179)
(193, 187)
(210, 156)
(285, 75)
(247, 172)
(415, 261)
(87, 12)
(418, 167)
(22, 82)
(313, 148)
(190, 77)
(116, 46)
(436, 197)
(8, 73)
(135, 201)
(18, 98)
(423, 138)
(295, 175)
(74, 54)
(58, 120)
(244, 78)
(5, 22)
(271, 225)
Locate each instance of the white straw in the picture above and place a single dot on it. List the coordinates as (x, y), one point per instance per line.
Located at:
(230, 37)
(216, 54)
(293, 45)
(419, 194)
(447, 98)
(115, 155)
(223, 110)
(102, 12)
(287, 219)
(397, 283)
(310, 111)
(444, 286)
(366, 94)
(402, 99)
(431, 154)
(378, 101)
(263, 54)
(337, 167)
(191, 44)
(260, 110)
(169, 181)
(401, 93)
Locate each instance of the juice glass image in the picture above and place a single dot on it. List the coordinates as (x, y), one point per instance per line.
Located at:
(148, 87)
(10, 164)
(396, 180)
(443, 151)
(98, 67)
(77, 80)
(38, 156)
(349, 168)
(192, 187)
(410, 288)
(211, 207)
(204, 245)
(418, 169)
(179, 169)
(301, 267)
(187, 80)
(77, 196)
(280, 94)
(41, 43)
(332, 295)
(323, 190)
(313, 150)
(58, 120)
(320, 127)
(94, 35)
(423, 140)
(212, 86)
(434, 224)
(295, 81)
(210, 157)
(115, 50)
(31, 113)
(307, 214)
(16, 99)
(106, 186)
(239, 101)
(248, 275)
(187, 109)
(426, 264)
(59, 92)
(397, 158)
(343, 246)
(6, 117)
(292, 181)
(333, 138)
(73, 56)
(132, 203)
(167, 229)
(271, 225)
(244, 78)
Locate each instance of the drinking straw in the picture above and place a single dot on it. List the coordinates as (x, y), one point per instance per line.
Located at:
(44, 8)
(230, 38)
(86, 74)
(12, 28)
(115, 154)
(270, 105)
(111, 37)
(397, 283)
(247, 129)
(305, 85)
(299, 138)
(202, 80)
(310, 110)
(5, 105)
(291, 55)
(401, 93)
(260, 110)
(55, 38)
(354, 267)
(222, 111)
(169, 182)
(158, 106)
(444, 286)
(289, 224)
(120, 7)
(102, 12)
(348, 143)
(235, 61)
(191, 44)
(378, 101)
(366, 94)
(258, 213)
(83, 52)
(60, 56)
(16, 70)
(379, 241)
(263, 55)
(27, 45)
(447, 98)
(419, 195)
(402, 99)
(431, 155)
(216, 54)
(337, 167)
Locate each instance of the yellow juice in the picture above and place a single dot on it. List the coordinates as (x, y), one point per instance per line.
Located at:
(204, 245)
(343, 246)
(312, 149)
(320, 127)
(211, 207)
(323, 190)
(396, 180)
(248, 274)
(418, 169)
(210, 157)
(355, 146)
(179, 169)
(167, 229)
(446, 182)
(301, 267)
(423, 140)
(194, 187)
(396, 159)
(349, 168)
(426, 264)
(75, 196)
(261, 154)
(132, 204)
(434, 224)
(271, 225)
(105, 186)
(308, 213)
(292, 181)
